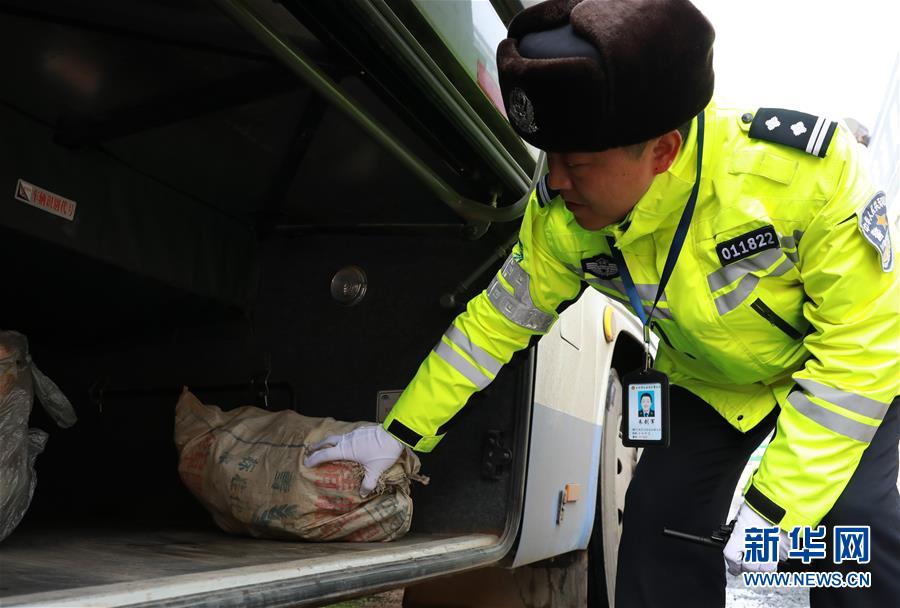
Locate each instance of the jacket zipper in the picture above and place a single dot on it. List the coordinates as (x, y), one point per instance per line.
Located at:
(769, 315)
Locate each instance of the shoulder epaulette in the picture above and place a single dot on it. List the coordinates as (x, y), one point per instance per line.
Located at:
(799, 130)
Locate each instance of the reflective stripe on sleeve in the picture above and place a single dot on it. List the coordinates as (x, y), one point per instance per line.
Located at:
(831, 420)
(850, 401)
(518, 306)
(460, 364)
(478, 354)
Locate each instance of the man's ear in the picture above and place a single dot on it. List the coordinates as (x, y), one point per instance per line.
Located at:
(663, 151)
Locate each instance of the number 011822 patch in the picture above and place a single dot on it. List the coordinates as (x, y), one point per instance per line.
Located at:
(745, 245)
(875, 226)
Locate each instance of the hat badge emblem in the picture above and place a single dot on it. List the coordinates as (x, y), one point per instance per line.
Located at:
(521, 111)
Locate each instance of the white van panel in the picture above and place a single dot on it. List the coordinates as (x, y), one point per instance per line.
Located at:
(567, 420)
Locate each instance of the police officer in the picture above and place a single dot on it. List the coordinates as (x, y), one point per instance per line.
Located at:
(781, 310)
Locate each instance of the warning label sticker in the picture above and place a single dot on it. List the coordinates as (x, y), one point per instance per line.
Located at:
(45, 200)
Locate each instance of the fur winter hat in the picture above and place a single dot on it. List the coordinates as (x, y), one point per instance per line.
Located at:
(589, 75)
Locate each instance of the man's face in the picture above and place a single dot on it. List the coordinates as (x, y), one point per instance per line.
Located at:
(600, 188)
(645, 403)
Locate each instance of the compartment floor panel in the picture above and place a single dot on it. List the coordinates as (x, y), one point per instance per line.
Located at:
(48, 560)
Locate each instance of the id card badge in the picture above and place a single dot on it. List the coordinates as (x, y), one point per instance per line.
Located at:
(645, 408)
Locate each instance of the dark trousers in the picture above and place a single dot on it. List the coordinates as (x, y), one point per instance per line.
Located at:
(688, 487)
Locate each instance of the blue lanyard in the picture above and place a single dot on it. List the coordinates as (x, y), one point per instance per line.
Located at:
(671, 258)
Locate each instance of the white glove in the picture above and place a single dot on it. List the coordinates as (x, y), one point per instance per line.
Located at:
(371, 446)
(734, 549)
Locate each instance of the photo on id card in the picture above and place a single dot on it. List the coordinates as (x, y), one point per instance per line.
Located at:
(645, 418)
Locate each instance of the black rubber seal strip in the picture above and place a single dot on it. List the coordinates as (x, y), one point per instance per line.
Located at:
(403, 432)
(764, 506)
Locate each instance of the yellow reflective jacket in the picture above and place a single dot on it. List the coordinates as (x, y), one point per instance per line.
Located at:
(777, 296)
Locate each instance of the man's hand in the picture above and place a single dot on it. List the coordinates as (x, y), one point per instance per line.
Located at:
(734, 549)
(371, 446)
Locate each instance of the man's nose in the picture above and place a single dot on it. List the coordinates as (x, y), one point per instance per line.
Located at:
(559, 175)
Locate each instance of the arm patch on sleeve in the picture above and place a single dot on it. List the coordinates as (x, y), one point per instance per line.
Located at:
(811, 134)
(876, 227)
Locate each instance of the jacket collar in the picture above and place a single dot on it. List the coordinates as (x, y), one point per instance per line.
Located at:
(664, 202)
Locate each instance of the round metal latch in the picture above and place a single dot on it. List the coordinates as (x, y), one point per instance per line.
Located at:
(747, 118)
(348, 287)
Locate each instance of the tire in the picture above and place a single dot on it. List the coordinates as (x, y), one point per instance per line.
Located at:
(616, 470)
